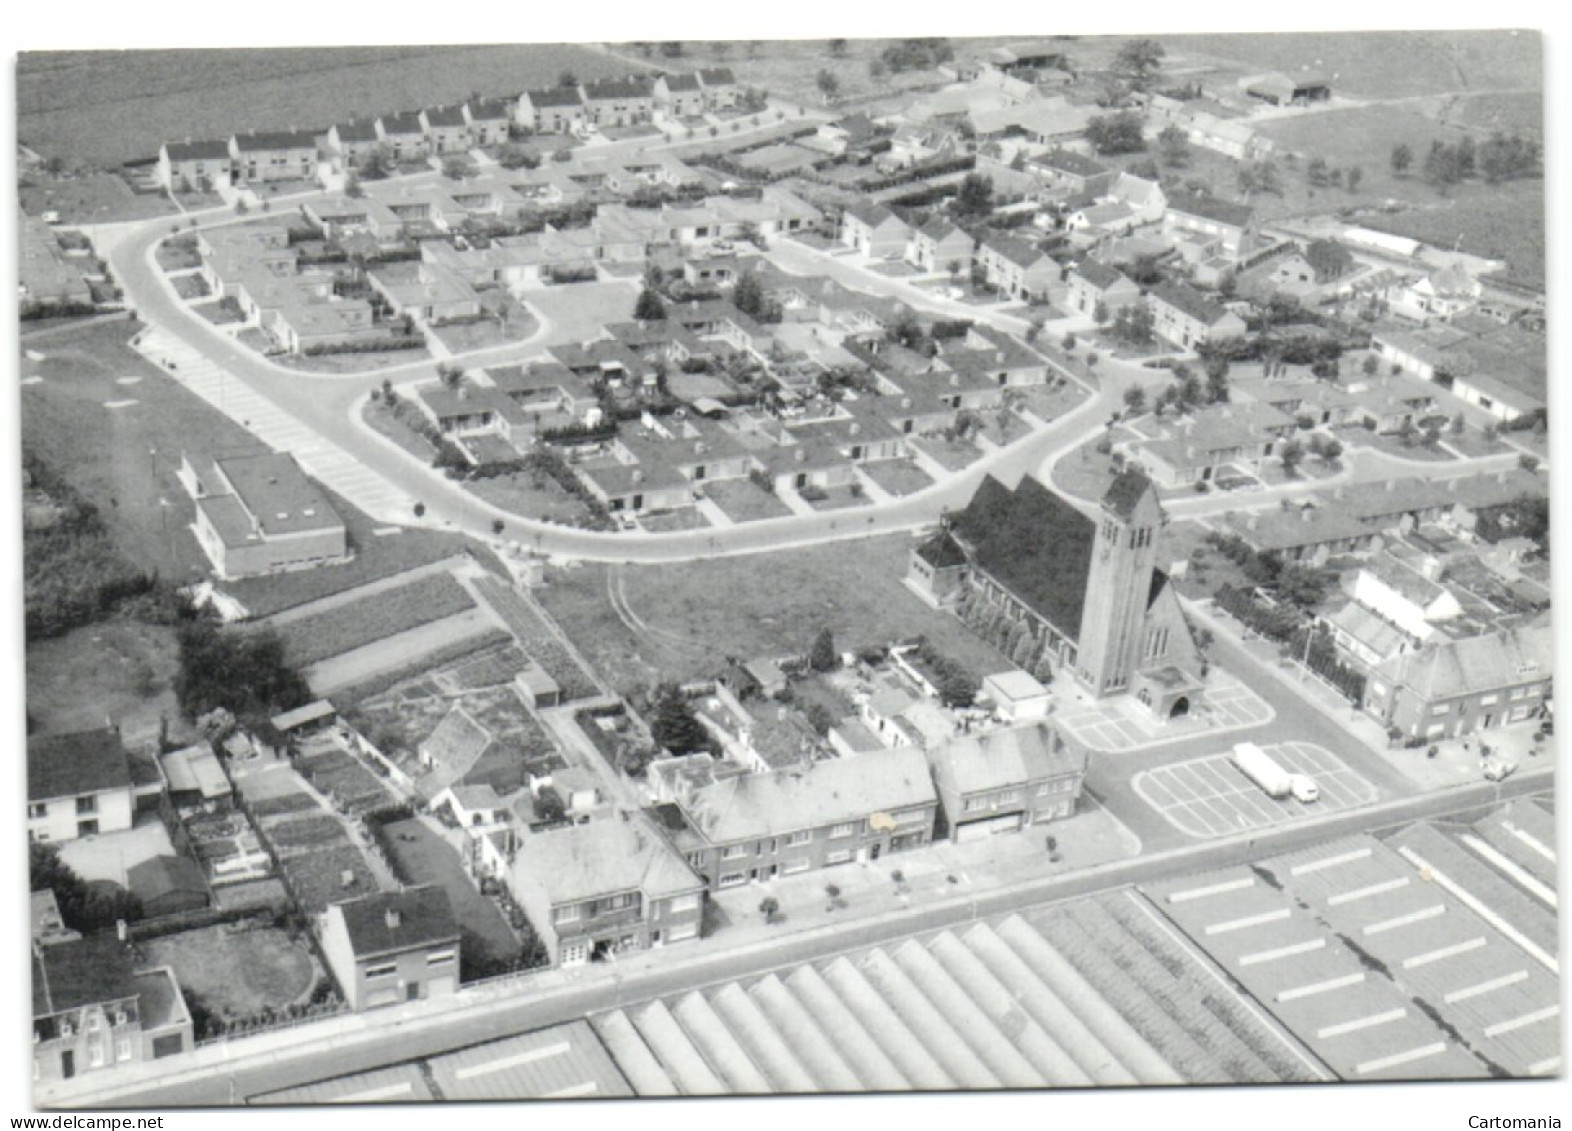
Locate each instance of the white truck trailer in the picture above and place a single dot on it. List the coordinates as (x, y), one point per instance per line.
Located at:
(1276, 782)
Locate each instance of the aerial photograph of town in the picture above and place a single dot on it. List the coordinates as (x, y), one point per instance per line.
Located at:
(699, 567)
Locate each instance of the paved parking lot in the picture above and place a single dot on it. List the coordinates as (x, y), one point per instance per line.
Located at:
(1120, 725)
(1210, 797)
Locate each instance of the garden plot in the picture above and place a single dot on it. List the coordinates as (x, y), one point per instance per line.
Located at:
(374, 617)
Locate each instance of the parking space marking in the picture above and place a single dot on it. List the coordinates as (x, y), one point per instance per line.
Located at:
(1209, 797)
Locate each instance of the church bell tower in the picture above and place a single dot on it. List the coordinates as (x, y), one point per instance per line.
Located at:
(1119, 586)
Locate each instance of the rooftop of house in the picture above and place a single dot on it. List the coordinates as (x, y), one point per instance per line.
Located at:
(1099, 275)
(402, 122)
(1043, 117)
(189, 150)
(489, 109)
(445, 117)
(1002, 758)
(1367, 627)
(256, 141)
(1452, 668)
(1189, 302)
(392, 922)
(555, 96)
(1015, 250)
(717, 76)
(604, 857)
(608, 90)
(195, 769)
(872, 214)
(1069, 161)
(68, 765)
(159, 876)
(824, 793)
(80, 972)
(357, 130)
(1211, 208)
(686, 82)
(1405, 580)
(1014, 685)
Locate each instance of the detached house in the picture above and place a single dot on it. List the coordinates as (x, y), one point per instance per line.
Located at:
(939, 243)
(80, 785)
(607, 887)
(280, 155)
(1016, 268)
(1093, 284)
(875, 231)
(1005, 780)
(392, 947)
(187, 166)
(557, 110)
(1186, 317)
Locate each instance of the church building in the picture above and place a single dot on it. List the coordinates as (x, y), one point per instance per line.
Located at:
(1088, 588)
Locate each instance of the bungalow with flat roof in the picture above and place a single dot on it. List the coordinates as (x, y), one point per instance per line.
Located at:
(757, 827)
(405, 135)
(1452, 688)
(260, 514)
(436, 294)
(1205, 442)
(95, 1009)
(1017, 696)
(1502, 371)
(392, 947)
(1005, 781)
(611, 886)
(1017, 269)
(555, 110)
(1094, 284)
(273, 155)
(940, 246)
(193, 166)
(1186, 317)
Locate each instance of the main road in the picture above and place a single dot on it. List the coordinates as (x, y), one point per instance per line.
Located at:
(327, 406)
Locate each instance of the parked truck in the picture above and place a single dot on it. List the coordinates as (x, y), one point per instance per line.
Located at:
(1276, 782)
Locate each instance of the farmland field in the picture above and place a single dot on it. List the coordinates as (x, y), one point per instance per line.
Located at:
(385, 613)
(1432, 62)
(105, 108)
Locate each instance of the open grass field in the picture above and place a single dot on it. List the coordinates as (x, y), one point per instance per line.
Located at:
(383, 614)
(106, 108)
(93, 198)
(119, 668)
(236, 973)
(1432, 62)
(686, 618)
(425, 858)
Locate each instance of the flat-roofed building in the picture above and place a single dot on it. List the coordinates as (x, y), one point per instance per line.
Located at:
(260, 514)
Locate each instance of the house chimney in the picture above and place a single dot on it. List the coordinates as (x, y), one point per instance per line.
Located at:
(394, 918)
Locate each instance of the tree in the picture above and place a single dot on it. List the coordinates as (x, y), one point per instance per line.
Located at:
(1135, 400)
(822, 657)
(649, 307)
(838, 48)
(377, 163)
(906, 330)
(1372, 363)
(829, 86)
(1217, 379)
(549, 805)
(1134, 324)
(1353, 177)
(769, 906)
(1331, 451)
(1402, 158)
(1116, 133)
(748, 296)
(517, 157)
(1173, 146)
(974, 198)
(1316, 171)
(567, 78)
(672, 49)
(675, 726)
(1138, 61)
(1100, 313)
(458, 167)
(81, 908)
(1290, 455)
(352, 187)
(243, 670)
(1067, 343)
(1330, 259)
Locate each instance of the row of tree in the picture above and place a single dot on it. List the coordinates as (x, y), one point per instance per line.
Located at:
(1503, 157)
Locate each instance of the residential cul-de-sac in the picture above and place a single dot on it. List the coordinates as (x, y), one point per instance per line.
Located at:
(790, 567)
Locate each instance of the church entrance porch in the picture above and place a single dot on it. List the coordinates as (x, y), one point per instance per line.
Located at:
(1216, 705)
(1166, 691)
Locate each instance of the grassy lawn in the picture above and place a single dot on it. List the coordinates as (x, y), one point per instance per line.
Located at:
(178, 254)
(105, 453)
(192, 286)
(95, 198)
(377, 555)
(1394, 446)
(119, 668)
(530, 496)
(377, 415)
(353, 362)
(1085, 473)
(789, 68)
(690, 386)
(224, 312)
(953, 454)
(697, 612)
(1049, 402)
(236, 973)
(1004, 428)
(465, 336)
(743, 500)
(684, 518)
(841, 498)
(898, 476)
(425, 858)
